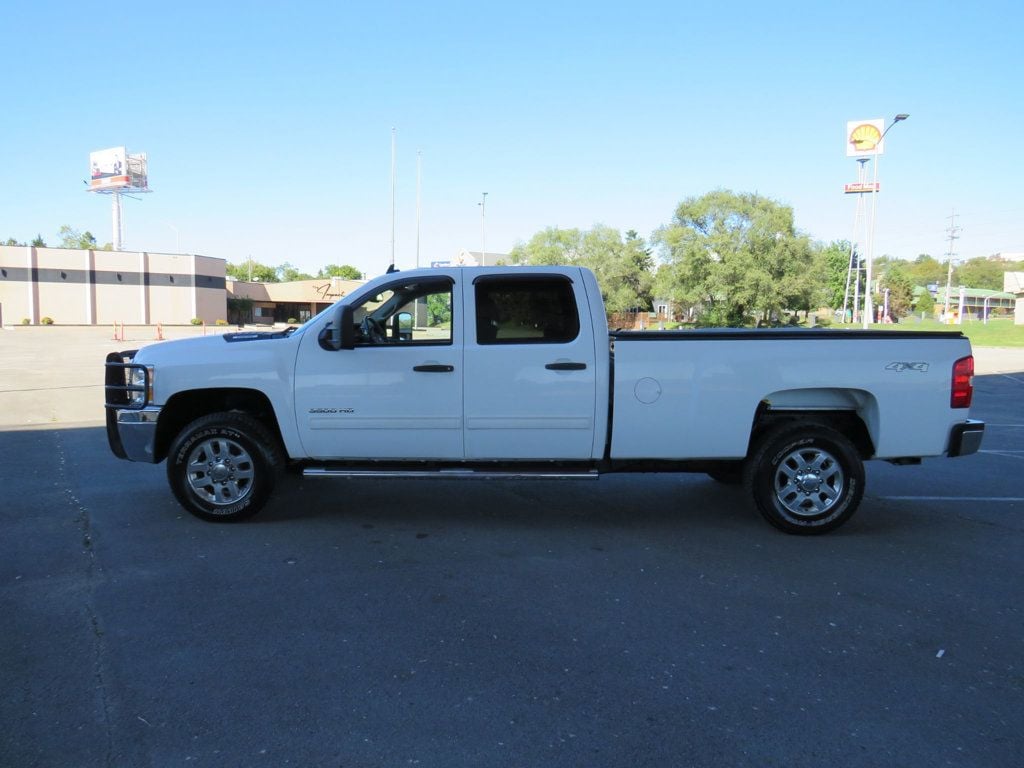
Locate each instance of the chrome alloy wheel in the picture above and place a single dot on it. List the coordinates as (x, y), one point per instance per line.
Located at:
(809, 482)
(220, 471)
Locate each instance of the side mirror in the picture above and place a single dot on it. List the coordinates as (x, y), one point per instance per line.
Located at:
(402, 326)
(339, 333)
(346, 332)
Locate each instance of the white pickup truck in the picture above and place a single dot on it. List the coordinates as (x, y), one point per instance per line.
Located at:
(511, 372)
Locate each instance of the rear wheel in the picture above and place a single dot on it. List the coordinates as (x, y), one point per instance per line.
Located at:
(222, 466)
(805, 478)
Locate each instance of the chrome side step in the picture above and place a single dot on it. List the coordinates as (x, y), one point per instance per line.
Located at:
(474, 474)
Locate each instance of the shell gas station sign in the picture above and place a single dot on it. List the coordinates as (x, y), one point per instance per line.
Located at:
(864, 138)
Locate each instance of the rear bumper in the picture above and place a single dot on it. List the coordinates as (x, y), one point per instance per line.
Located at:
(965, 439)
(132, 433)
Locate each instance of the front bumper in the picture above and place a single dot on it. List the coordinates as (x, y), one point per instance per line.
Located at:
(965, 438)
(132, 433)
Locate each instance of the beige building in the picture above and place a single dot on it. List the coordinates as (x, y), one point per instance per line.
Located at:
(72, 287)
(267, 303)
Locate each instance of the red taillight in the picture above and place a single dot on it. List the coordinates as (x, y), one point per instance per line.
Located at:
(963, 383)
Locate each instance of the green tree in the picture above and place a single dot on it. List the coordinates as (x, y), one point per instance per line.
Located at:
(72, 238)
(736, 256)
(901, 290)
(925, 303)
(343, 272)
(252, 271)
(623, 267)
(286, 273)
(38, 242)
(835, 259)
(240, 309)
(980, 272)
(549, 247)
(12, 241)
(439, 310)
(925, 270)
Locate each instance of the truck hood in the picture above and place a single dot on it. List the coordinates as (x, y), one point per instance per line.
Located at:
(220, 345)
(263, 361)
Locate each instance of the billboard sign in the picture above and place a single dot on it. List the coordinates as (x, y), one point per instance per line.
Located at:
(864, 138)
(108, 169)
(138, 171)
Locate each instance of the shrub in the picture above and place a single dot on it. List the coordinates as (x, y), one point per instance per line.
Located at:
(26, 321)
(219, 321)
(196, 321)
(292, 321)
(47, 321)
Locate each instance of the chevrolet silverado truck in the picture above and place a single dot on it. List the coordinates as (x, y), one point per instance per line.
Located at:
(512, 373)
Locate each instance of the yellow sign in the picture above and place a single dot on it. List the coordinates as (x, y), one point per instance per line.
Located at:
(864, 137)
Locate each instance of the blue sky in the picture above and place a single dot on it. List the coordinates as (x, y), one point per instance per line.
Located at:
(268, 127)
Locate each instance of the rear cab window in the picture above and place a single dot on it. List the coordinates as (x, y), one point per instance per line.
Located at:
(526, 310)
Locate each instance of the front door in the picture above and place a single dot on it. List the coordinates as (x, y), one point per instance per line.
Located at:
(398, 394)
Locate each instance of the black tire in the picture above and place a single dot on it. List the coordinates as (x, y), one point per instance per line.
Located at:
(222, 467)
(805, 478)
(727, 474)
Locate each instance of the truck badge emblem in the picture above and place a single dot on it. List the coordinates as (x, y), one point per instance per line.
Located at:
(900, 367)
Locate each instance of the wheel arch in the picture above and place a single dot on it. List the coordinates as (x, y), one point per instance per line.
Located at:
(853, 412)
(185, 407)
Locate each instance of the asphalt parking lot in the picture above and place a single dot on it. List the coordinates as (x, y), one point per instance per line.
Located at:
(633, 621)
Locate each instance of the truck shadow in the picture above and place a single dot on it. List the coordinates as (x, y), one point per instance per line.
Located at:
(647, 500)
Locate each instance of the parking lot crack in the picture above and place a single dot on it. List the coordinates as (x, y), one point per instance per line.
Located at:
(93, 576)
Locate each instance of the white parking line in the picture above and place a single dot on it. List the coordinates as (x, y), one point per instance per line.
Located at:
(951, 498)
(1006, 454)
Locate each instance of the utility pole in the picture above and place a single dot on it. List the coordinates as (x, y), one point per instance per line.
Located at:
(953, 231)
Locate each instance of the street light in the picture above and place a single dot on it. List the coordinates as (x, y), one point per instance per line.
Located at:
(871, 236)
(483, 229)
(177, 237)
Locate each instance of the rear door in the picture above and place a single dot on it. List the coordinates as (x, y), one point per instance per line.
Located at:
(530, 368)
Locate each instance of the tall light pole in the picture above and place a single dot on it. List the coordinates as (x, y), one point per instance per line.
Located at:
(177, 237)
(392, 200)
(419, 177)
(871, 235)
(483, 228)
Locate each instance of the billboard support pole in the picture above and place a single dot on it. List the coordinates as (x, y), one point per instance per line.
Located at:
(867, 314)
(115, 213)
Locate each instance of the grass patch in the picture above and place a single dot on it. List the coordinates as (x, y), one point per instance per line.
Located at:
(997, 332)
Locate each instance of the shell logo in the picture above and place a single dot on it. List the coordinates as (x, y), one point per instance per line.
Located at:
(865, 137)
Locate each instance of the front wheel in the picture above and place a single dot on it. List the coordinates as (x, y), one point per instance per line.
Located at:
(222, 466)
(805, 478)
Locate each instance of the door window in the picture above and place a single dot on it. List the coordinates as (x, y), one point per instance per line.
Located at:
(526, 311)
(406, 314)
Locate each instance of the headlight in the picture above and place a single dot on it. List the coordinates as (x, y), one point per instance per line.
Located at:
(137, 378)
